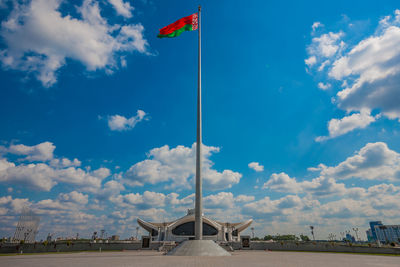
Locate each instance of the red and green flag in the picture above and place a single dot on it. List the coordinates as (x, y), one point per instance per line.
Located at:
(175, 29)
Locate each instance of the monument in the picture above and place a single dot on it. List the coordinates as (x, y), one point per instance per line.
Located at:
(182, 229)
(27, 227)
(198, 246)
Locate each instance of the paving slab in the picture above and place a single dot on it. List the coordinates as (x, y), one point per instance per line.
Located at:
(239, 258)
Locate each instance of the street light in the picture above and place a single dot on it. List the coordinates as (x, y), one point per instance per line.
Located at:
(312, 231)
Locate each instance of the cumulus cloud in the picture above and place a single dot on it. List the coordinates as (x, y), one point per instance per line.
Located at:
(41, 152)
(375, 64)
(13, 205)
(244, 198)
(320, 201)
(368, 69)
(221, 200)
(110, 188)
(318, 187)
(326, 45)
(310, 61)
(64, 162)
(324, 86)
(74, 197)
(256, 166)
(281, 182)
(338, 127)
(122, 8)
(39, 39)
(41, 176)
(268, 207)
(47, 171)
(177, 165)
(375, 161)
(121, 123)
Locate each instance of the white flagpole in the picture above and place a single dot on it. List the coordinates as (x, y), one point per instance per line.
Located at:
(198, 205)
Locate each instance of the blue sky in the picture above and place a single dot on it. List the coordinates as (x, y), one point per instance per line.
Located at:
(300, 114)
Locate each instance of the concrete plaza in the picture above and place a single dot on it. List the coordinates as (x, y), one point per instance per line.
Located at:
(239, 258)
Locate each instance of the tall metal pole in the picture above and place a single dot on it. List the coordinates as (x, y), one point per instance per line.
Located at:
(198, 205)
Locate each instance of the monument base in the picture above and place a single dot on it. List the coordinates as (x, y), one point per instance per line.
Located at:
(198, 248)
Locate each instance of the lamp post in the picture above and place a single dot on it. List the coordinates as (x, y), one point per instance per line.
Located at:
(312, 231)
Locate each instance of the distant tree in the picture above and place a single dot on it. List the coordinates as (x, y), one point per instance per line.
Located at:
(268, 237)
(286, 238)
(256, 238)
(304, 238)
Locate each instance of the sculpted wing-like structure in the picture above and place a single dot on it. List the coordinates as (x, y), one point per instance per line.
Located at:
(183, 229)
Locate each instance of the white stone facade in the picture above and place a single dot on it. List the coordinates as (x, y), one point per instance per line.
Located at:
(183, 229)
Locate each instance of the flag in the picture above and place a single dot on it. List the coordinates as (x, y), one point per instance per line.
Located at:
(175, 29)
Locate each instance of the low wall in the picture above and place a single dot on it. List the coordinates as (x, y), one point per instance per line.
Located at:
(65, 247)
(318, 247)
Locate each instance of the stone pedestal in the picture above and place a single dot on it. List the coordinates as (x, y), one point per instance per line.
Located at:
(198, 248)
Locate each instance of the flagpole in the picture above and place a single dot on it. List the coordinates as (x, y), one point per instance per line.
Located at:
(198, 205)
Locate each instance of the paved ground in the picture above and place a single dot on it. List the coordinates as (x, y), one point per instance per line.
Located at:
(239, 258)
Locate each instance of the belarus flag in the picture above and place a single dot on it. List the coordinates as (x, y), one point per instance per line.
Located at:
(175, 29)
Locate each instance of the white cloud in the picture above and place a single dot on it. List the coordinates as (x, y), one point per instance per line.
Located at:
(311, 61)
(282, 183)
(320, 201)
(48, 171)
(64, 162)
(256, 166)
(150, 199)
(41, 152)
(316, 25)
(39, 39)
(374, 62)
(244, 198)
(326, 45)
(121, 123)
(222, 200)
(318, 187)
(324, 86)
(369, 71)
(41, 176)
(321, 68)
(122, 8)
(177, 165)
(74, 197)
(375, 161)
(269, 207)
(110, 188)
(13, 205)
(338, 127)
